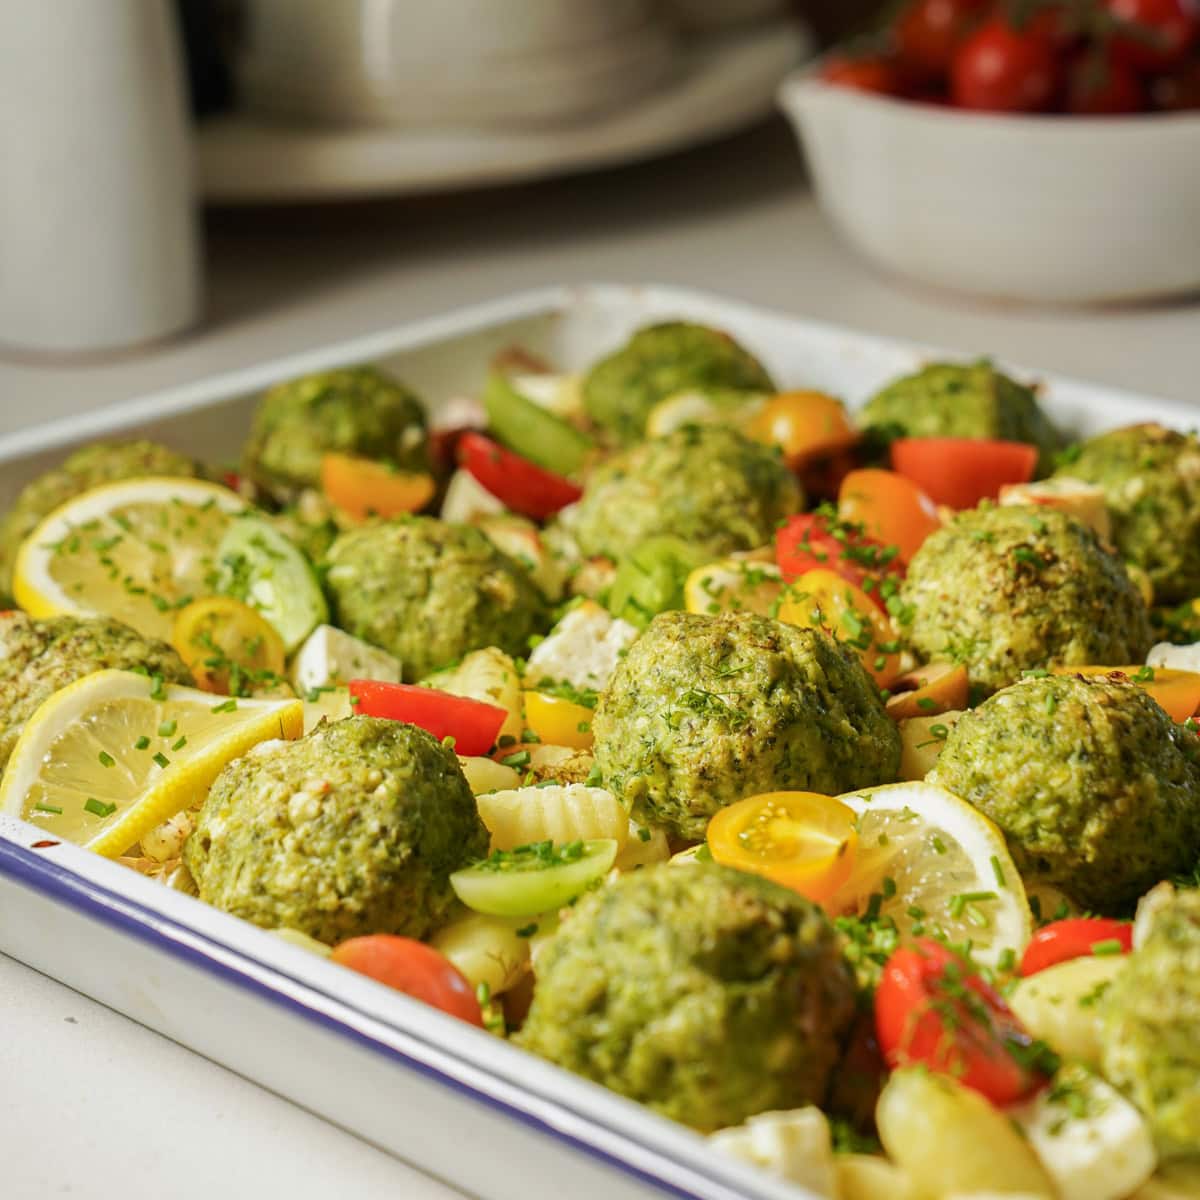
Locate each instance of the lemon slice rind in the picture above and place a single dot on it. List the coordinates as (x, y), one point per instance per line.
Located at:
(953, 875)
(219, 734)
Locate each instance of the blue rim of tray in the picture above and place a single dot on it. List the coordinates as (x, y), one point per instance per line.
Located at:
(34, 871)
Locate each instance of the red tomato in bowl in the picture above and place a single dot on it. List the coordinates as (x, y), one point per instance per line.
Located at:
(1002, 69)
(1161, 32)
(869, 73)
(928, 32)
(1101, 85)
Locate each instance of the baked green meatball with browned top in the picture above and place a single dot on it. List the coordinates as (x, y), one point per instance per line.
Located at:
(704, 993)
(707, 485)
(1012, 589)
(430, 592)
(353, 829)
(355, 410)
(1151, 481)
(1095, 788)
(704, 710)
(657, 362)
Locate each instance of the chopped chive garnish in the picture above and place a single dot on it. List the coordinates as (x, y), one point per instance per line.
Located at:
(998, 872)
(98, 807)
(1107, 947)
(162, 759)
(939, 847)
(141, 743)
(520, 759)
(179, 745)
(47, 808)
(167, 729)
(229, 705)
(106, 759)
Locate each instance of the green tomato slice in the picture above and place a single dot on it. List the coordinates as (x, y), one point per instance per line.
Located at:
(265, 570)
(533, 879)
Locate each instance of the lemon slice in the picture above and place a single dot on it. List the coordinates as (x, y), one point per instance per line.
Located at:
(939, 867)
(733, 585)
(138, 551)
(113, 755)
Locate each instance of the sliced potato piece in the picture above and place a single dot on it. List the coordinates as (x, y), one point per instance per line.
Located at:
(950, 1140)
(487, 950)
(1059, 1005)
(488, 675)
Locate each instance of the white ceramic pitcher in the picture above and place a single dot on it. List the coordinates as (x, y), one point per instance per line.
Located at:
(98, 234)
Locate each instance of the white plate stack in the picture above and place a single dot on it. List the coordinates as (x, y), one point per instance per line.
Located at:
(452, 62)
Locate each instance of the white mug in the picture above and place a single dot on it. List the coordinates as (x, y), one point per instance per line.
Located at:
(98, 232)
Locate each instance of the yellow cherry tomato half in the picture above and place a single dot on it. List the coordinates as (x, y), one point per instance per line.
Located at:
(803, 840)
(1176, 691)
(803, 425)
(821, 599)
(928, 691)
(559, 722)
(362, 487)
(892, 509)
(228, 647)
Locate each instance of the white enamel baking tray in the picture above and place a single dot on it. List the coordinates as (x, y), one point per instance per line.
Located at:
(448, 1098)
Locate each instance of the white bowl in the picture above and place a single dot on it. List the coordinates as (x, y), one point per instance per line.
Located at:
(1030, 208)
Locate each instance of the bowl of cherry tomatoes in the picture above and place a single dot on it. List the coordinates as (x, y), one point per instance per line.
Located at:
(1031, 150)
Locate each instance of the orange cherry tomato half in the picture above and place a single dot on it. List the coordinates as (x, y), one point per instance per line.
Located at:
(362, 487)
(821, 599)
(1078, 937)
(473, 725)
(802, 840)
(928, 691)
(413, 968)
(932, 1008)
(1176, 691)
(890, 508)
(803, 425)
(959, 472)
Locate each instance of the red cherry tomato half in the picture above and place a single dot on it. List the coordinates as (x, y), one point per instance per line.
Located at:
(1103, 86)
(959, 472)
(1002, 69)
(812, 541)
(413, 968)
(1161, 32)
(519, 484)
(928, 32)
(1178, 91)
(932, 1009)
(873, 74)
(1077, 937)
(473, 725)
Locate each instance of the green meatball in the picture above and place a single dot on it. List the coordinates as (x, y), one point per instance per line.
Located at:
(705, 710)
(357, 411)
(1011, 589)
(957, 400)
(1151, 1022)
(429, 592)
(659, 361)
(704, 993)
(102, 462)
(37, 658)
(353, 829)
(1095, 788)
(1151, 480)
(705, 484)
